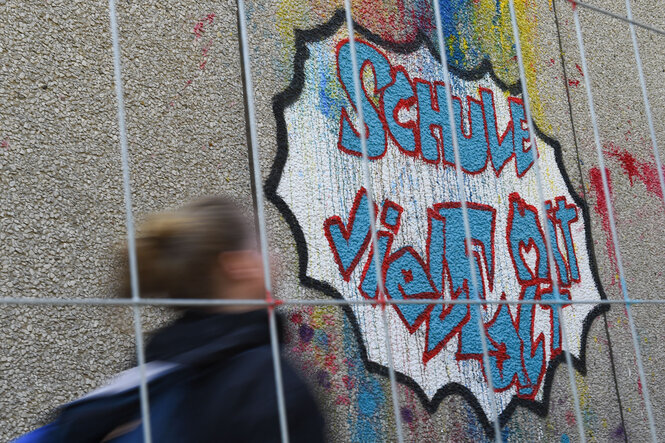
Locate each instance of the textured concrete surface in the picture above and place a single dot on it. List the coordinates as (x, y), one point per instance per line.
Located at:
(61, 205)
(62, 208)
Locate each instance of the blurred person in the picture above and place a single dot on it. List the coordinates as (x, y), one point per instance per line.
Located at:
(210, 371)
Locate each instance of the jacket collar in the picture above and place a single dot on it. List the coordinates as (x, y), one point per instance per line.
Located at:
(199, 336)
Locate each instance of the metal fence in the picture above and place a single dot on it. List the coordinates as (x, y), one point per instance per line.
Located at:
(271, 302)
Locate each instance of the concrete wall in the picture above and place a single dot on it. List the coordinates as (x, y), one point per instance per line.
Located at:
(62, 208)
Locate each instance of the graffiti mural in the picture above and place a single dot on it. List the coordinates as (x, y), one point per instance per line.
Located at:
(316, 182)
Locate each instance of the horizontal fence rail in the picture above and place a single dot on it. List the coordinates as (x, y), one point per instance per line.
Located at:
(271, 302)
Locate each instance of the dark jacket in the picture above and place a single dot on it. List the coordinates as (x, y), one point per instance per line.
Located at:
(234, 398)
(226, 393)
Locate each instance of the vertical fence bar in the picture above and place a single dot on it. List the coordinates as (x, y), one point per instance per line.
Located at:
(465, 216)
(129, 222)
(613, 230)
(645, 96)
(543, 219)
(372, 217)
(135, 290)
(260, 216)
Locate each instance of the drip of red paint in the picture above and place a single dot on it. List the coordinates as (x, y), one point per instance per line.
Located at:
(596, 181)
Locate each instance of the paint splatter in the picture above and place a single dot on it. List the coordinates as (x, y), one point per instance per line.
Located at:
(199, 27)
(579, 69)
(407, 415)
(601, 208)
(570, 418)
(323, 378)
(619, 433)
(486, 33)
(637, 171)
(306, 333)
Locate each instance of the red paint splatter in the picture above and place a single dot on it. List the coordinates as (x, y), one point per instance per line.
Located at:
(5, 144)
(205, 55)
(198, 30)
(575, 83)
(579, 69)
(639, 385)
(342, 400)
(199, 27)
(596, 180)
(644, 172)
(570, 418)
(331, 364)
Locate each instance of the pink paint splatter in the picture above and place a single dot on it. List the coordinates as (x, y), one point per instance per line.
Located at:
(199, 27)
(570, 418)
(198, 30)
(342, 400)
(5, 144)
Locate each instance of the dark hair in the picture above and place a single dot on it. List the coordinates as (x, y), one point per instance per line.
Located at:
(177, 249)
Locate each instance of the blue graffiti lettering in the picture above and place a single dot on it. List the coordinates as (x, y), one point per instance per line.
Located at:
(388, 90)
(368, 57)
(517, 356)
(501, 147)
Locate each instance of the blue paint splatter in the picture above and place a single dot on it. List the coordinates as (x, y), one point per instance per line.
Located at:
(364, 419)
(321, 340)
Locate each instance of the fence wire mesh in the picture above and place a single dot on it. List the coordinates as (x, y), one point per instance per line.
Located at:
(275, 300)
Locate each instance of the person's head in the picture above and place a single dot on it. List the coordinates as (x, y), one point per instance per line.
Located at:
(202, 250)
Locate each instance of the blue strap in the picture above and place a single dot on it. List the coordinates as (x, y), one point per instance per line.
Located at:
(39, 435)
